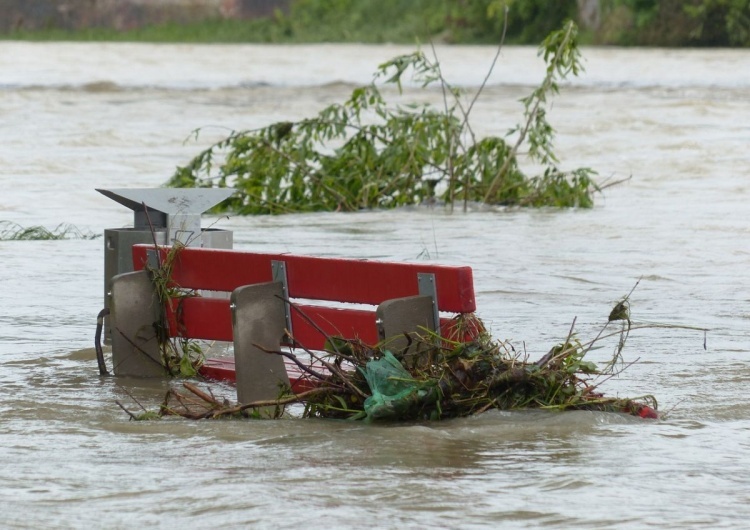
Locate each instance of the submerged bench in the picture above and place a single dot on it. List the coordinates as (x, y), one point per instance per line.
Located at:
(272, 297)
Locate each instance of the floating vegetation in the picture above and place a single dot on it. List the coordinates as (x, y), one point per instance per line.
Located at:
(10, 231)
(437, 377)
(180, 357)
(367, 153)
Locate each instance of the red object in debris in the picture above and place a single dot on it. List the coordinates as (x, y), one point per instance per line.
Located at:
(219, 369)
(647, 412)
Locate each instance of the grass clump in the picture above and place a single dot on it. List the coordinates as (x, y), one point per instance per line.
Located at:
(180, 356)
(10, 231)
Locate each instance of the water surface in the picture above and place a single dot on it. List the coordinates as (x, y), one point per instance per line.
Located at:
(74, 117)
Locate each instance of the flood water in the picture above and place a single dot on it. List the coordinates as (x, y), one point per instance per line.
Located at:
(75, 117)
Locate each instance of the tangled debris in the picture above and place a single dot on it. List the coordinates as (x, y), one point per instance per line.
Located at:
(461, 374)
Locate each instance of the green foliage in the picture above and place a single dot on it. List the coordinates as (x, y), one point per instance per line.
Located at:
(148, 415)
(528, 20)
(475, 21)
(180, 357)
(678, 23)
(365, 153)
(720, 22)
(372, 21)
(448, 379)
(207, 31)
(623, 22)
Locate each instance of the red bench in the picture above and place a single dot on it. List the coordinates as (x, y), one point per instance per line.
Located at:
(258, 313)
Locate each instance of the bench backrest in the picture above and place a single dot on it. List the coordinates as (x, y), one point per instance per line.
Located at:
(307, 278)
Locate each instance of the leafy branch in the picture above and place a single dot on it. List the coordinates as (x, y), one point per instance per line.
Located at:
(562, 58)
(365, 153)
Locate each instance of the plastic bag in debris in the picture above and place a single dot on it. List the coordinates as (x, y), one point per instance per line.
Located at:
(395, 392)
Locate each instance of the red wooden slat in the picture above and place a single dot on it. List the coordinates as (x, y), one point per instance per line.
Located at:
(201, 318)
(223, 369)
(219, 369)
(211, 319)
(349, 323)
(341, 280)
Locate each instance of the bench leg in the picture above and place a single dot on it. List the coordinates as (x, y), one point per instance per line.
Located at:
(134, 311)
(409, 315)
(258, 319)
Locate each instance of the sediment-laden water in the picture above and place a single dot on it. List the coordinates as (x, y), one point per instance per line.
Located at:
(75, 117)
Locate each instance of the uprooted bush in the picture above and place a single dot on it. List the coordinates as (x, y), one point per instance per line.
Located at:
(366, 153)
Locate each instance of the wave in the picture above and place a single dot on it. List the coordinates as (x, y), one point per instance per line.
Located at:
(103, 67)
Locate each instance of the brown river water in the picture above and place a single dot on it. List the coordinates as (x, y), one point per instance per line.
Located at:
(74, 117)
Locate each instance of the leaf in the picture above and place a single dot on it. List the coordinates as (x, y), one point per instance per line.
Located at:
(621, 311)
(186, 367)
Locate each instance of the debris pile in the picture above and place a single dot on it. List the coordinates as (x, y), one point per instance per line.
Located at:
(434, 377)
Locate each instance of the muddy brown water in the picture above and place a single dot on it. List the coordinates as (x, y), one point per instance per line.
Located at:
(74, 117)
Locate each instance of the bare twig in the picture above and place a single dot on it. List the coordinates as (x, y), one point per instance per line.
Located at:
(131, 396)
(265, 403)
(134, 345)
(132, 416)
(492, 66)
(198, 392)
(529, 120)
(302, 366)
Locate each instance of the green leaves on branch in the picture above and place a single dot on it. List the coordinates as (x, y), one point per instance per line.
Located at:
(673, 23)
(365, 153)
